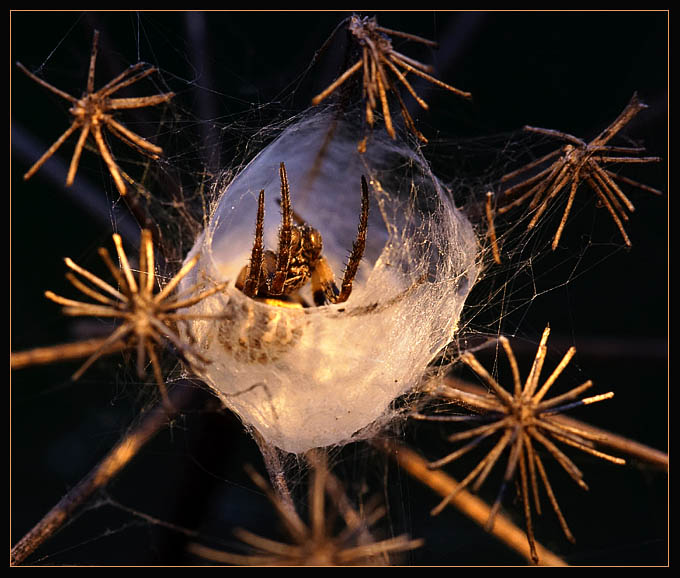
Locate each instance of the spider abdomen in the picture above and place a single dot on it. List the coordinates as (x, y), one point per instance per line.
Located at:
(256, 332)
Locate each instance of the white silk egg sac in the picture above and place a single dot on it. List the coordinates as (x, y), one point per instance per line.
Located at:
(315, 376)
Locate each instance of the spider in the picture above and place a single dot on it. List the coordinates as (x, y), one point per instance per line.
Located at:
(377, 59)
(276, 277)
(93, 111)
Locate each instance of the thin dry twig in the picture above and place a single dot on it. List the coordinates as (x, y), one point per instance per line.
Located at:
(382, 69)
(93, 112)
(574, 164)
(119, 457)
(491, 229)
(524, 418)
(62, 352)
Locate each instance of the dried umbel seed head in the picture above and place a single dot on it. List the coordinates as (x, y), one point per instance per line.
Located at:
(94, 111)
(383, 71)
(310, 376)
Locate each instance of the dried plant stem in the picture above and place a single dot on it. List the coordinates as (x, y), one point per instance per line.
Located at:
(636, 450)
(119, 457)
(491, 231)
(63, 352)
(469, 504)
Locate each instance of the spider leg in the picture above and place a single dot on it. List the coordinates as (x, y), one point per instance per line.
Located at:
(252, 282)
(324, 288)
(285, 236)
(296, 217)
(357, 248)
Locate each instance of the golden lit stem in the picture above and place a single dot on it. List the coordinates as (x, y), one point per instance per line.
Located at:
(535, 373)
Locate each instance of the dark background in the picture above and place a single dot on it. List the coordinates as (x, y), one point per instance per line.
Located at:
(235, 73)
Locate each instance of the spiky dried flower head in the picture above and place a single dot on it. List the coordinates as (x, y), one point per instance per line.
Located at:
(146, 317)
(574, 164)
(94, 111)
(314, 544)
(522, 418)
(382, 68)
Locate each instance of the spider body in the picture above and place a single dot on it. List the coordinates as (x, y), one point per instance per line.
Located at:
(254, 333)
(279, 276)
(306, 245)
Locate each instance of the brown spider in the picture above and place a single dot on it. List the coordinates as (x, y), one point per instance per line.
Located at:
(522, 417)
(580, 162)
(93, 111)
(377, 58)
(147, 318)
(298, 260)
(314, 544)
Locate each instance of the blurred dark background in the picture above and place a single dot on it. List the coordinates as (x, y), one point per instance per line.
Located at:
(237, 73)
